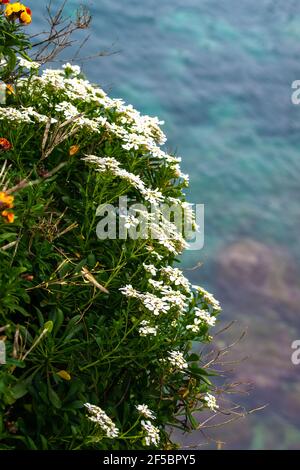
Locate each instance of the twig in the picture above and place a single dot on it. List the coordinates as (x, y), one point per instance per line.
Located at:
(25, 183)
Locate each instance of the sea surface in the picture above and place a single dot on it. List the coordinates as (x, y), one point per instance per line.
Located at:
(220, 75)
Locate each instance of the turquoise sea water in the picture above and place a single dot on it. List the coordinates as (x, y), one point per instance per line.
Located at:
(220, 74)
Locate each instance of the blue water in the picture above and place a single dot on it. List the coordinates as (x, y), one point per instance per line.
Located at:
(219, 74)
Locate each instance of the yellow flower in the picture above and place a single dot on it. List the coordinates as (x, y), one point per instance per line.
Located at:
(64, 375)
(14, 8)
(73, 150)
(18, 11)
(6, 201)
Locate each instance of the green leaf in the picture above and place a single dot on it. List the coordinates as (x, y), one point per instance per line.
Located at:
(20, 389)
(54, 398)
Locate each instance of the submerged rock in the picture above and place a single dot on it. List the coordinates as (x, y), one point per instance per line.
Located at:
(264, 277)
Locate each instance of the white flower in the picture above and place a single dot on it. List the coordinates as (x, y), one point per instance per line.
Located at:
(194, 327)
(129, 291)
(23, 115)
(98, 416)
(205, 316)
(156, 284)
(152, 433)
(145, 411)
(211, 402)
(208, 298)
(136, 132)
(129, 221)
(150, 268)
(154, 196)
(28, 64)
(146, 330)
(176, 276)
(14, 115)
(39, 117)
(74, 69)
(177, 360)
(103, 163)
(154, 253)
(167, 234)
(69, 110)
(154, 304)
(174, 297)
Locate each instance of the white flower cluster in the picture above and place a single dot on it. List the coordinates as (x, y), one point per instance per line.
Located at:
(113, 116)
(157, 305)
(208, 298)
(173, 297)
(150, 268)
(152, 433)
(154, 253)
(176, 359)
(129, 221)
(28, 64)
(104, 164)
(167, 234)
(145, 329)
(136, 132)
(145, 411)
(211, 402)
(24, 115)
(98, 416)
(70, 111)
(201, 316)
(129, 291)
(73, 69)
(154, 304)
(176, 276)
(205, 316)
(72, 88)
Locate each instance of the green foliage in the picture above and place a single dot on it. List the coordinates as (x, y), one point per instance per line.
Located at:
(13, 42)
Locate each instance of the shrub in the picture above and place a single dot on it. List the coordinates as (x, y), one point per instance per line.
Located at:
(99, 332)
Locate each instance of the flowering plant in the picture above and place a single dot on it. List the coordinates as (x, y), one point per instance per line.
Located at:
(13, 40)
(99, 333)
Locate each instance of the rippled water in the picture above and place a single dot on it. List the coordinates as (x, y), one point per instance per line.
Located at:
(220, 74)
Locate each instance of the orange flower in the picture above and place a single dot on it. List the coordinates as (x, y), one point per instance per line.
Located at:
(5, 145)
(73, 150)
(10, 89)
(25, 16)
(6, 201)
(8, 216)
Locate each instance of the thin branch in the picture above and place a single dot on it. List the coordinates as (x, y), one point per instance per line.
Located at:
(25, 183)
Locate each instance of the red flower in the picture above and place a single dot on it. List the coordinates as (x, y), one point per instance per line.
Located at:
(5, 145)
